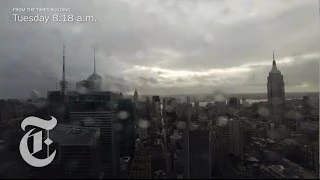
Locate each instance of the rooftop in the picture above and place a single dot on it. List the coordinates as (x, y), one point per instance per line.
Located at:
(274, 69)
(74, 135)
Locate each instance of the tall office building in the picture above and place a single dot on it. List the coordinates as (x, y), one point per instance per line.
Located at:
(199, 155)
(156, 114)
(221, 146)
(220, 108)
(109, 150)
(186, 140)
(276, 95)
(92, 83)
(78, 151)
(59, 100)
(233, 106)
(148, 108)
(234, 102)
(141, 166)
(127, 134)
(196, 108)
(135, 96)
(236, 137)
(306, 107)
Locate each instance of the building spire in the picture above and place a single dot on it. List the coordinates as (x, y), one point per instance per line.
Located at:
(63, 82)
(274, 61)
(273, 54)
(135, 95)
(94, 61)
(135, 92)
(63, 66)
(274, 66)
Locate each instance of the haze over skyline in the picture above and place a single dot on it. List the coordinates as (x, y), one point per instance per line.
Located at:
(163, 47)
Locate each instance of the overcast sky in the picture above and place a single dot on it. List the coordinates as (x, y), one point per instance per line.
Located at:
(163, 46)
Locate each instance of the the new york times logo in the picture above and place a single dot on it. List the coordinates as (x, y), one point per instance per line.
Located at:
(37, 140)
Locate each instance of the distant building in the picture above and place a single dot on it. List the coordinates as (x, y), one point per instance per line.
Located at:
(234, 102)
(126, 122)
(306, 105)
(10, 109)
(311, 129)
(276, 95)
(220, 108)
(233, 106)
(248, 133)
(57, 106)
(92, 83)
(237, 168)
(124, 167)
(196, 108)
(287, 170)
(148, 108)
(156, 121)
(135, 96)
(236, 137)
(158, 161)
(273, 172)
(141, 165)
(181, 110)
(179, 160)
(221, 146)
(199, 155)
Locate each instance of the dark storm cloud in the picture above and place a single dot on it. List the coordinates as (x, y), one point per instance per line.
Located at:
(145, 80)
(117, 84)
(169, 45)
(303, 75)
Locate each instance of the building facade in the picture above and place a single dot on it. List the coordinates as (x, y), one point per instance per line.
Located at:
(276, 95)
(109, 149)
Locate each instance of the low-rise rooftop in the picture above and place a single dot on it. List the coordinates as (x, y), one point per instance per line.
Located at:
(74, 135)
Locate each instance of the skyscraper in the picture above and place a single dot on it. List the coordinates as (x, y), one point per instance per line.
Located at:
(78, 150)
(236, 137)
(156, 114)
(126, 116)
(93, 82)
(199, 155)
(233, 106)
(221, 145)
(63, 82)
(135, 96)
(220, 108)
(276, 95)
(104, 120)
(59, 99)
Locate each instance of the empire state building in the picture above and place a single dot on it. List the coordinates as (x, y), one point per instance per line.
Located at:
(276, 95)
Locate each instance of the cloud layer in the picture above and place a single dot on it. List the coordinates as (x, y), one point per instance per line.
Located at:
(163, 46)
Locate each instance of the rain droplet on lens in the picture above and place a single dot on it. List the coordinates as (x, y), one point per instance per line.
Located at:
(143, 123)
(123, 115)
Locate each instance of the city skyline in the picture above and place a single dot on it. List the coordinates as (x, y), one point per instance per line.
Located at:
(159, 89)
(163, 48)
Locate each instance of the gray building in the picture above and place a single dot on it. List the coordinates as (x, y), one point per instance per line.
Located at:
(221, 146)
(276, 95)
(92, 83)
(78, 151)
(236, 137)
(104, 120)
(199, 155)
